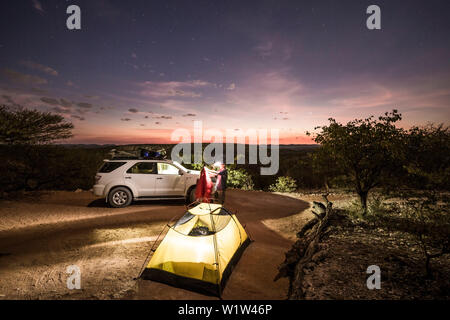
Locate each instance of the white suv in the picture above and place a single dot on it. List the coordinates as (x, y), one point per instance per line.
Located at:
(122, 181)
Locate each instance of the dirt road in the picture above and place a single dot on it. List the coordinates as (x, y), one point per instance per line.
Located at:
(39, 239)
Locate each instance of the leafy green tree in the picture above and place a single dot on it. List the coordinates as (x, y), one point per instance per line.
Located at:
(284, 184)
(30, 127)
(427, 180)
(365, 149)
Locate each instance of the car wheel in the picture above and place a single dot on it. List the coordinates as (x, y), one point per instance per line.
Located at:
(191, 195)
(119, 197)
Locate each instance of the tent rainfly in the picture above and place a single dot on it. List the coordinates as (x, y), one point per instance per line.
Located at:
(200, 250)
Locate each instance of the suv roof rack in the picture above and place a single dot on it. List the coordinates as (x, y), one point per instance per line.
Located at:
(139, 154)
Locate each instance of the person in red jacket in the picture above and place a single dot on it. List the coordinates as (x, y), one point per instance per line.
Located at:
(204, 186)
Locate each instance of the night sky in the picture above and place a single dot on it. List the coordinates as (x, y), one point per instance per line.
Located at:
(139, 69)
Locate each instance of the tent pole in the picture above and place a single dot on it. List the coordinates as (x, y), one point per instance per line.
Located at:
(152, 250)
(213, 225)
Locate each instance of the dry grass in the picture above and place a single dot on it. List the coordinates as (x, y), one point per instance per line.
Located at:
(351, 247)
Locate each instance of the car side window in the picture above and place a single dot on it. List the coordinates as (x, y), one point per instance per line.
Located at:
(143, 168)
(165, 168)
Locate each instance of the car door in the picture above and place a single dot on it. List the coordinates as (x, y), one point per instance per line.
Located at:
(169, 181)
(143, 176)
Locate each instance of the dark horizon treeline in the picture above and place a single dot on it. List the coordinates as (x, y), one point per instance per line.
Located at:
(360, 155)
(59, 167)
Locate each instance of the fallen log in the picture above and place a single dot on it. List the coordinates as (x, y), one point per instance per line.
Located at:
(304, 249)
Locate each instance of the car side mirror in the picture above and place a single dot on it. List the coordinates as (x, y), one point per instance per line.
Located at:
(180, 172)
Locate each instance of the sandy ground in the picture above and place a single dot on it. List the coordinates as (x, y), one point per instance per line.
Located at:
(289, 226)
(40, 238)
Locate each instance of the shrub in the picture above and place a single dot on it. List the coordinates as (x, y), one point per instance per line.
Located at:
(240, 179)
(284, 184)
(376, 209)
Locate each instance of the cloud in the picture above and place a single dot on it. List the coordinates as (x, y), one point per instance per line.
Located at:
(163, 117)
(38, 6)
(8, 99)
(23, 78)
(266, 91)
(265, 49)
(77, 117)
(65, 103)
(50, 101)
(70, 83)
(84, 105)
(278, 47)
(91, 96)
(125, 119)
(231, 87)
(40, 67)
(189, 115)
(133, 110)
(135, 66)
(59, 110)
(134, 56)
(58, 102)
(38, 91)
(173, 88)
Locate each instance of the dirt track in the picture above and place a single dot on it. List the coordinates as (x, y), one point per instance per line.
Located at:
(39, 239)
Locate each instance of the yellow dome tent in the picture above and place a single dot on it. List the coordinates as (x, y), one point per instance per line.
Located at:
(199, 251)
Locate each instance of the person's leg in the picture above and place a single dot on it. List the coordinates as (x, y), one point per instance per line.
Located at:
(222, 196)
(216, 196)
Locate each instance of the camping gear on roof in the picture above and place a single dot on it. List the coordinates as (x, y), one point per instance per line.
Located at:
(199, 250)
(204, 187)
(138, 152)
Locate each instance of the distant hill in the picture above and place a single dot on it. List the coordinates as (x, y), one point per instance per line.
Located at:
(87, 146)
(299, 146)
(97, 146)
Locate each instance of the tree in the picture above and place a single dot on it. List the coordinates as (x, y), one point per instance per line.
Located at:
(428, 157)
(426, 201)
(365, 149)
(30, 127)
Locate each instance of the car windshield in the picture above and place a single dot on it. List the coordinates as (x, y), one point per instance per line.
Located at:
(177, 164)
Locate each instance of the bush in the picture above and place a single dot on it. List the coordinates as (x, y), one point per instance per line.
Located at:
(376, 209)
(48, 167)
(284, 184)
(240, 179)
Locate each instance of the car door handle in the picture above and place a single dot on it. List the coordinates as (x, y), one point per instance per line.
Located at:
(158, 178)
(127, 177)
